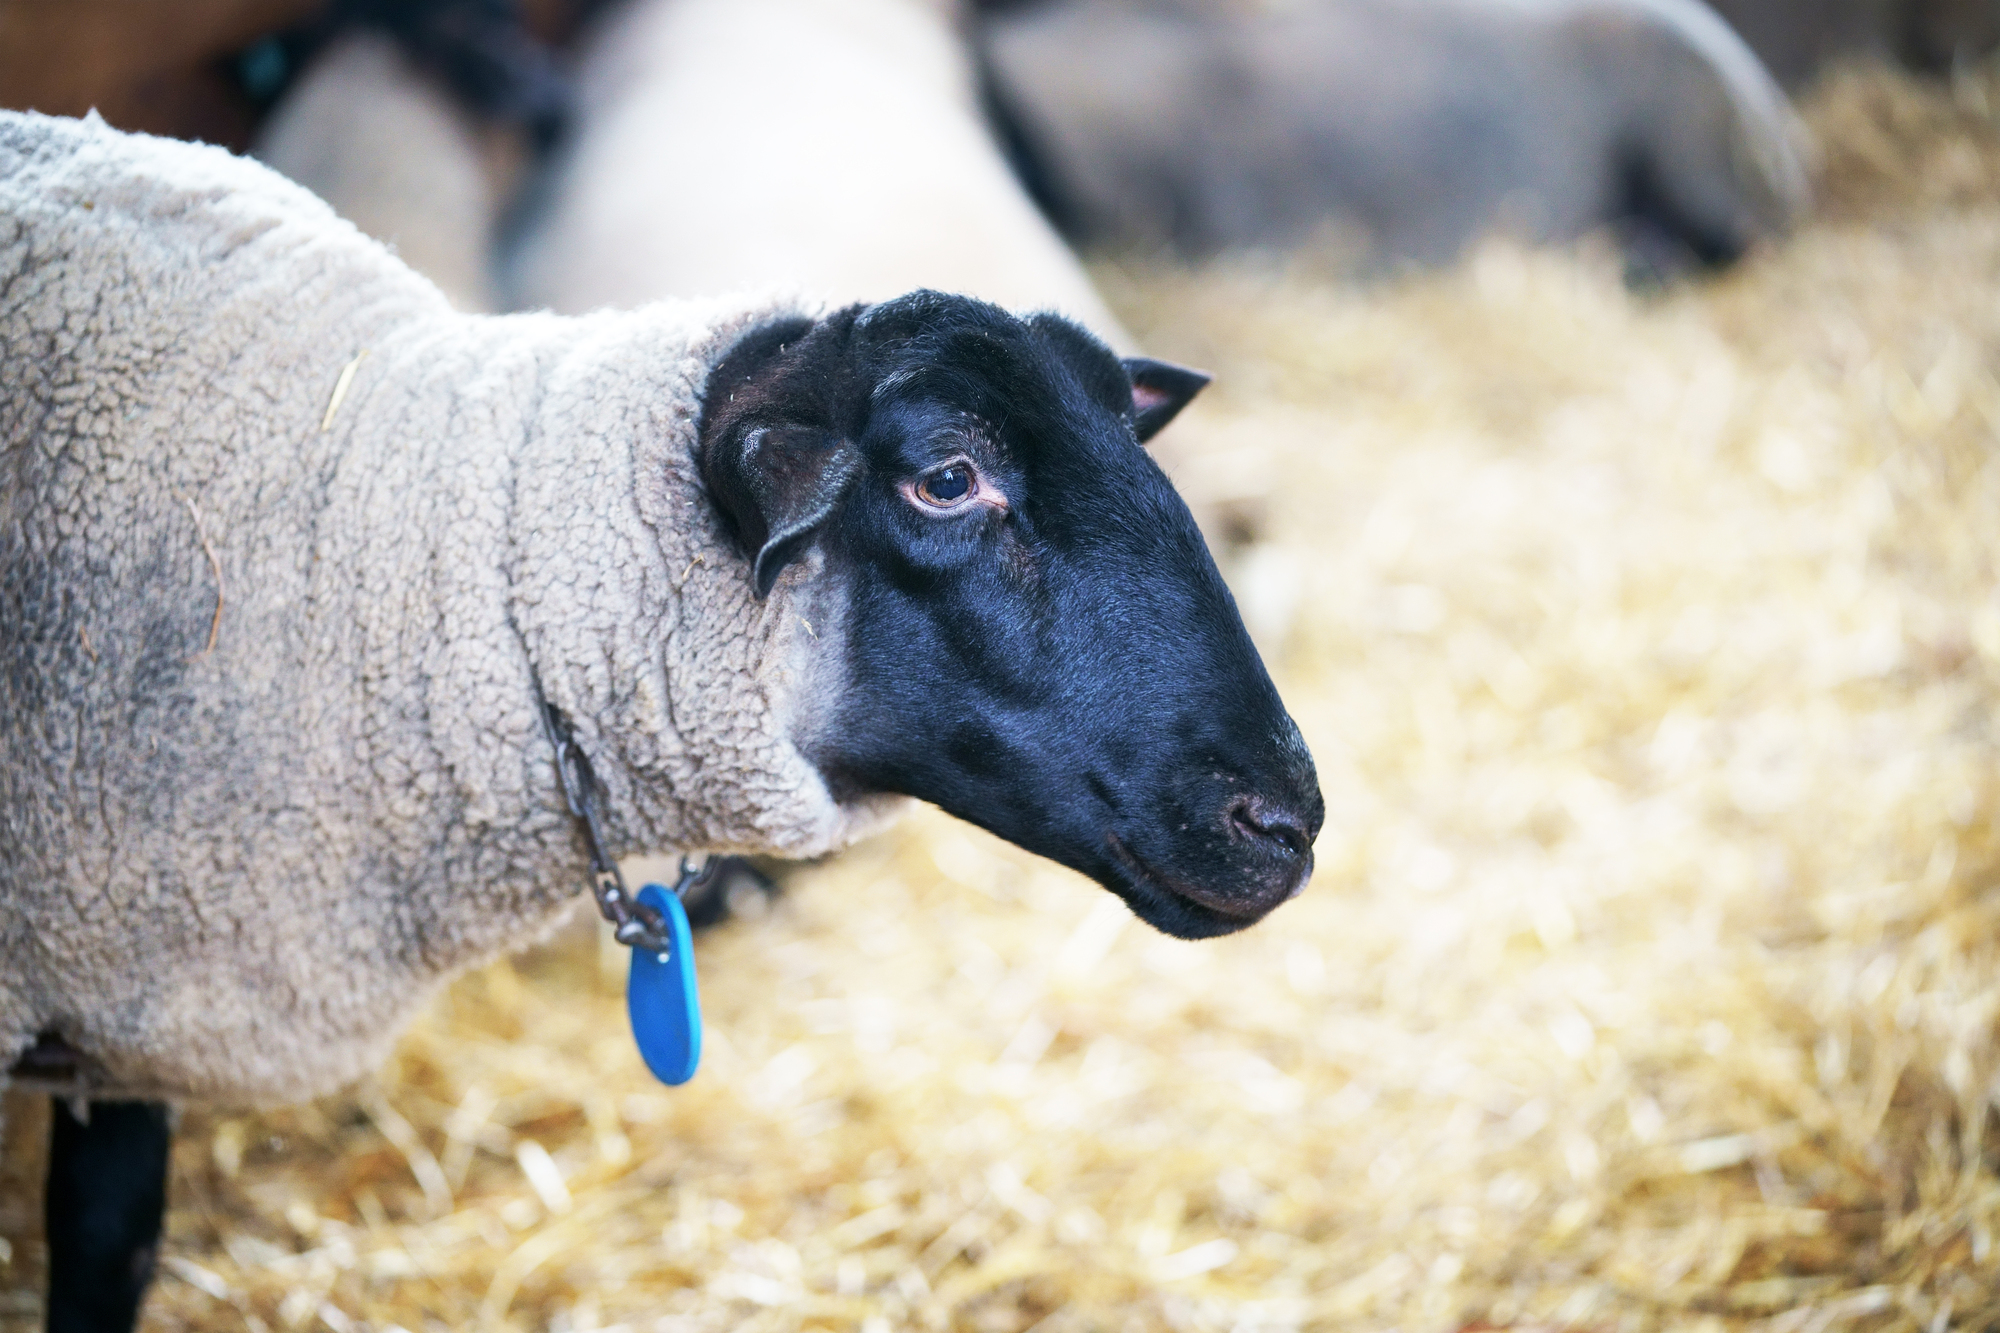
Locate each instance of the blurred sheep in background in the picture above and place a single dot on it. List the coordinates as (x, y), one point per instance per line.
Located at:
(836, 148)
(1207, 126)
(396, 154)
(840, 146)
(416, 120)
(848, 147)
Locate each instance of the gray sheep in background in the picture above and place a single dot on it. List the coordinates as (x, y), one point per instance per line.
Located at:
(1208, 125)
(290, 551)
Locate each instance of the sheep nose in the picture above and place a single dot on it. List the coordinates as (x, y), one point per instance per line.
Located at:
(1281, 832)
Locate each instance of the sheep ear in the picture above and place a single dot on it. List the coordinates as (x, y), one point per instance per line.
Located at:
(1160, 390)
(778, 486)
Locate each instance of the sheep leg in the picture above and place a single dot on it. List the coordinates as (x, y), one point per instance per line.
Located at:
(107, 1195)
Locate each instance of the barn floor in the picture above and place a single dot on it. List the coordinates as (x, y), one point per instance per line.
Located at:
(1650, 650)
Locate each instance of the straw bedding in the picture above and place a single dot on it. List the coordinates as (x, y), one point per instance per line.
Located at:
(1650, 650)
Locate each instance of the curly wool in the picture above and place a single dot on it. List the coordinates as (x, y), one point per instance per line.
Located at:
(270, 765)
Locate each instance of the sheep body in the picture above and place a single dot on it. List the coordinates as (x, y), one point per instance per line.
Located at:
(270, 764)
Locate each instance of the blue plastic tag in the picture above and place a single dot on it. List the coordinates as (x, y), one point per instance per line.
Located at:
(666, 1011)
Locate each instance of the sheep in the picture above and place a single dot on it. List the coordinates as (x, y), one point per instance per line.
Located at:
(835, 146)
(1205, 125)
(293, 554)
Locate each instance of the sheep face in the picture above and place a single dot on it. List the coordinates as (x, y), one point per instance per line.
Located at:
(1031, 631)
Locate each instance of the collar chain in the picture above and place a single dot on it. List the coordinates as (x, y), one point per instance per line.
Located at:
(633, 923)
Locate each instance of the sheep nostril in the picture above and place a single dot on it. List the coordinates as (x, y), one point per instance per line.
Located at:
(1277, 827)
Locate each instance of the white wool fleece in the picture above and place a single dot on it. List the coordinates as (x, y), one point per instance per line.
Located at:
(235, 853)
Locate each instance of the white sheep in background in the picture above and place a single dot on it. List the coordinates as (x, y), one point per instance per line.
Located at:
(830, 146)
(396, 154)
(290, 551)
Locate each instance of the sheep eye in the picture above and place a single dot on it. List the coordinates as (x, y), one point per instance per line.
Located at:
(946, 486)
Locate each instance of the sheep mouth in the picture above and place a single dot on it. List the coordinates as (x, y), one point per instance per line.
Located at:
(1175, 906)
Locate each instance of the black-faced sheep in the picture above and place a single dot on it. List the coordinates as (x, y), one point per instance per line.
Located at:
(289, 550)
(1206, 125)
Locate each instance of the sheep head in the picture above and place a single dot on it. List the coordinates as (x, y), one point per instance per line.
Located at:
(1031, 632)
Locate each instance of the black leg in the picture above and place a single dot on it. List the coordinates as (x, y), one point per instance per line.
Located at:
(106, 1198)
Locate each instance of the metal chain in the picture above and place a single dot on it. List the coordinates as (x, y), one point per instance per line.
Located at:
(633, 923)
